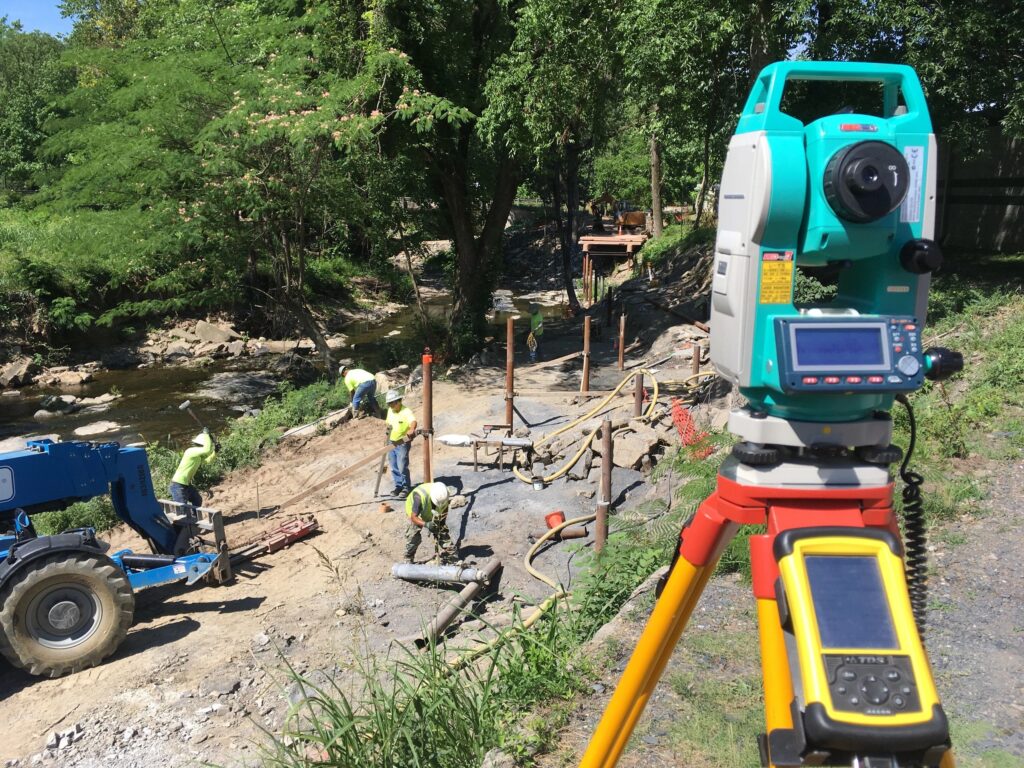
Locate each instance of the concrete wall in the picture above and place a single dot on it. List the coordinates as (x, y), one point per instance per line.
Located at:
(981, 199)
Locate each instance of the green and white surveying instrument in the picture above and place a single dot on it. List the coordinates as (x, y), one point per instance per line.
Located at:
(840, 591)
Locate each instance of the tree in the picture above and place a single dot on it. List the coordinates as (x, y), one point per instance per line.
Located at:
(433, 60)
(31, 79)
(555, 85)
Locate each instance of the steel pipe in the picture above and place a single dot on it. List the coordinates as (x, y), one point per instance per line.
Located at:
(458, 604)
(449, 573)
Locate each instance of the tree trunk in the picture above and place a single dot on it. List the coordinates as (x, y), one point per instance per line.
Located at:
(656, 212)
(296, 306)
(760, 27)
(705, 178)
(474, 254)
(565, 241)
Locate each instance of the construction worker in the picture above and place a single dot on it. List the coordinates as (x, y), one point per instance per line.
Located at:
(427, 507)
(362, 389)
(536, 332)
(202, 450)
(401, 429)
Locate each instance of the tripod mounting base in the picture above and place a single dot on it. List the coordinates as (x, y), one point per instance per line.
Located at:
(773, 430)
(803, 474)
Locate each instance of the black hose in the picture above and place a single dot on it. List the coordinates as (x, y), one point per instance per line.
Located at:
(914, 529)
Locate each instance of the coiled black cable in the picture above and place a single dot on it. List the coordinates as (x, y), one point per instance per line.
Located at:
(914, 529)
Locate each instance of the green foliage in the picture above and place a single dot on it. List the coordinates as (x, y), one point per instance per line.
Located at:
(676, 239)
(811, 291)
(414, 711)
(95, 513)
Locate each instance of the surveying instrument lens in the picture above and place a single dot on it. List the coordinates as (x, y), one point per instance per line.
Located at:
(840, 595)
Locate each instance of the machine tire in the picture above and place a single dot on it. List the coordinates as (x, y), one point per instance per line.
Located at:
(84, 590)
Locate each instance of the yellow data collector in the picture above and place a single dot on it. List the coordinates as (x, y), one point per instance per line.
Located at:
(861, 677)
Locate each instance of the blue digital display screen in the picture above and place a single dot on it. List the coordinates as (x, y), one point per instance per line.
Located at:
(839, 347)
(850, 602)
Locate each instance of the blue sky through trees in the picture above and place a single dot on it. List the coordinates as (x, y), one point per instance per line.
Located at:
(42, 15)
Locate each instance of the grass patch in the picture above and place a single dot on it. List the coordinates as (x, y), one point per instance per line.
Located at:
(969, 743)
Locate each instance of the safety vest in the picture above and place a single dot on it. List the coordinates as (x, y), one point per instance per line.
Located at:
(426, 507)
(537, 324)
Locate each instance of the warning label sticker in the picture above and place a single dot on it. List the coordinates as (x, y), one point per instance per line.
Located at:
(910, 210)
(776, 277)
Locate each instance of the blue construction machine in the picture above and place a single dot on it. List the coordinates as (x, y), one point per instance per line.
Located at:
(65, 604)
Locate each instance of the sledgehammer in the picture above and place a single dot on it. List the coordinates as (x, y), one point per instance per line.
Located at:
(187, 406)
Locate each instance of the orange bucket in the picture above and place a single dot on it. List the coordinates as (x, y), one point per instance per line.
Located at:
(554, 519)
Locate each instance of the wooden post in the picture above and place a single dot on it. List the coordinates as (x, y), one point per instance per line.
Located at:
(695, 360)
(604, 495)
(585, 386)
(608, 311)
(428, 415)
(622, 340)
(586, 279)
(510, 364)
(638, 394)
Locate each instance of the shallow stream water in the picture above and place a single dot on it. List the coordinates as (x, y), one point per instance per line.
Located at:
(220, 392)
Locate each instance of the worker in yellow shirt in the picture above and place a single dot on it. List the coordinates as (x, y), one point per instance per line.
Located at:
(362, 389)
(536, 332)
(202, 450)
(427, 507)
(401, 429)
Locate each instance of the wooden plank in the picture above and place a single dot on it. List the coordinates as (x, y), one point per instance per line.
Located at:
(336, 476)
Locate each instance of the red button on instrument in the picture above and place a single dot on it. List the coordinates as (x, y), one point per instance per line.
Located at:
(897, 348)
(854, 379)
(810, 379)
(910, 327)
(831, 379)
(875, 379)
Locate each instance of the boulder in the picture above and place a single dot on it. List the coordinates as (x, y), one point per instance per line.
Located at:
(97, 428)
(215, 334)
(211, 349)
(64, 378)
(18, 373)
(120, 358)
(177, 350)
(235, 348)
(60, 403)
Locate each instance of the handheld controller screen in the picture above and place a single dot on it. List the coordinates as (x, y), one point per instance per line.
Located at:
(850, 603)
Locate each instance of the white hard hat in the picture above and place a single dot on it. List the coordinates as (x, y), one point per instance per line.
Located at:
(393, 396)
(342, 367)
(200, 439)
(438, 494)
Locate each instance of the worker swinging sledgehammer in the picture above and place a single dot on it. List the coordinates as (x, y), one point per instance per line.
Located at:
(204, 449)
(427, 507)
(536, 332)
(401, 428)
(362, 389)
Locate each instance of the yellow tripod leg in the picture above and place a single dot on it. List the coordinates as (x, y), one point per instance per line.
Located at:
(653, 650)
(778, 682)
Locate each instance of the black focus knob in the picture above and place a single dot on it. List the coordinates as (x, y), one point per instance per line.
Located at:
(865, 181)
(942, 363)
(921, 256)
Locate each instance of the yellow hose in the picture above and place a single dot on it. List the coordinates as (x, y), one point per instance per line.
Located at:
(543, 608)
(559, 592)
(590, 438)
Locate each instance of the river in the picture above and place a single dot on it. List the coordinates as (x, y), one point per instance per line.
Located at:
(147, 409)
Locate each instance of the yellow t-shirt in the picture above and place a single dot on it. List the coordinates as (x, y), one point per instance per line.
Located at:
(399, 422)
(355, 377)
